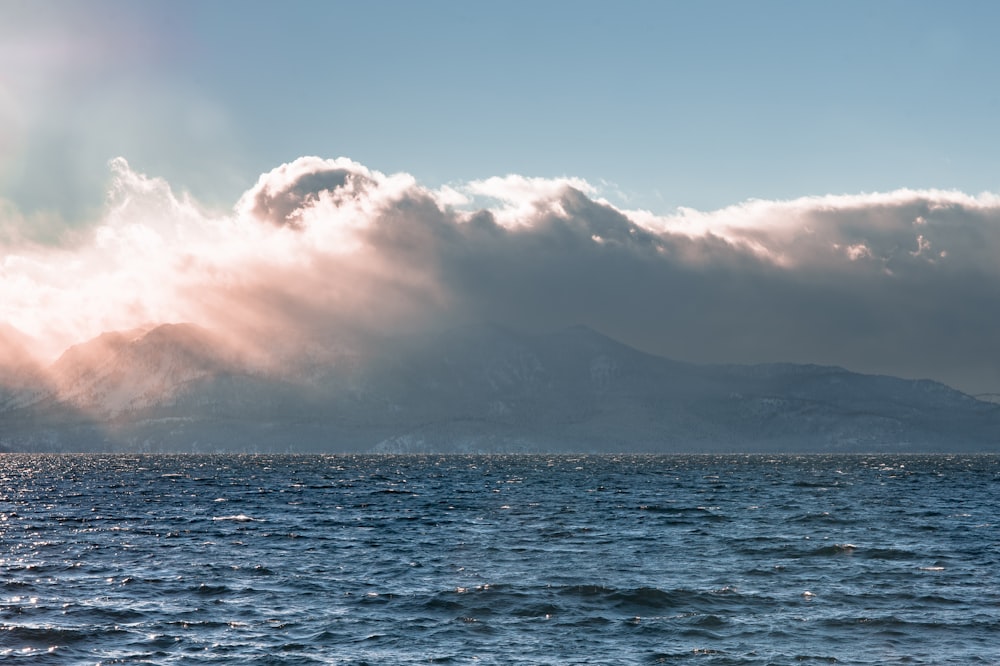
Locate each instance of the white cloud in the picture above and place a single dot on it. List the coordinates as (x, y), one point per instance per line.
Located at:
(521, 197)
(857, 251)
(320, 250)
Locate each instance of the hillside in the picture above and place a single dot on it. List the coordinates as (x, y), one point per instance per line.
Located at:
(478, 388)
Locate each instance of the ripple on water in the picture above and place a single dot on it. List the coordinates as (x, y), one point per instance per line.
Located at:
(498, 560)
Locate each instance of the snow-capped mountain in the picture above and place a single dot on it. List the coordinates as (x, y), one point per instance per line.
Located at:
(478, 388)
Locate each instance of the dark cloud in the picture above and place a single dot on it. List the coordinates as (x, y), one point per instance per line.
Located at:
(905, 287)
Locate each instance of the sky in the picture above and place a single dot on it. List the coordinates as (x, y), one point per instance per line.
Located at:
(711, 181)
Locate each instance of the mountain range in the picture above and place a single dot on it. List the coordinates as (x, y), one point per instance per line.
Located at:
(480, 388)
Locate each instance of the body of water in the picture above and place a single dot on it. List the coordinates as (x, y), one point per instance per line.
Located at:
(499, 560)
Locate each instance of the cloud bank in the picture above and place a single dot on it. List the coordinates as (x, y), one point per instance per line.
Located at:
(320, 254)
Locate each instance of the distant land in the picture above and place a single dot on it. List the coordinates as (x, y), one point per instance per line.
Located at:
(482, 388)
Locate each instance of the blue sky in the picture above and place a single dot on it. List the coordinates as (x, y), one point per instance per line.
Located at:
(711, 181)
(663, 104)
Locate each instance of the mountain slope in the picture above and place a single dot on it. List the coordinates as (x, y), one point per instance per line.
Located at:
(22, 378)
(478, 388)
(121, 372)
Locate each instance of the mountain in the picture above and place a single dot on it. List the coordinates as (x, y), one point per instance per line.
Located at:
(478, 388)
(22, 377)
(145, 369)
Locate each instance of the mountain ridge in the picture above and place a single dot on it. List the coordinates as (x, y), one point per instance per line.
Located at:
(482, 387)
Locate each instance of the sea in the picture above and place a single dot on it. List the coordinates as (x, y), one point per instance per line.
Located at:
(509, 559)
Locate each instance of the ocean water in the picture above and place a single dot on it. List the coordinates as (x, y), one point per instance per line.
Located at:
(499, 560)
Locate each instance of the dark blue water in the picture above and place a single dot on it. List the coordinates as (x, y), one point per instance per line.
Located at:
(499, 560)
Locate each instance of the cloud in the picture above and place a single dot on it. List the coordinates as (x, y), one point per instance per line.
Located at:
(284, 195)
(521, 197)
(324, 254)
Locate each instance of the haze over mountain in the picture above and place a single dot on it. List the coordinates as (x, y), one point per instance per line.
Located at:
(321, 254)
(474, 388)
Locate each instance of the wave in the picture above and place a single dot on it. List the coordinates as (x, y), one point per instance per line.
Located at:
(587, 600)
(49, 636)
(823, 518)
(239, 518)
(832, 550)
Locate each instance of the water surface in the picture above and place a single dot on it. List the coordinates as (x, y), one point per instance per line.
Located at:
(499, 560)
